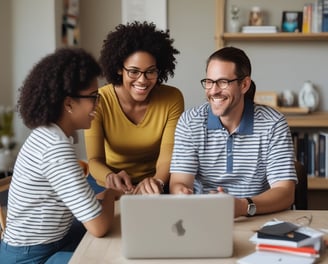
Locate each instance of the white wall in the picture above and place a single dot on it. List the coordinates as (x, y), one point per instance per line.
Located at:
(191, 24)
(30, 29)
(5, 53)
(34, 34)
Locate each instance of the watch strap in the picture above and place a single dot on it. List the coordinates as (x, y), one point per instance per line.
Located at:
(249, 200)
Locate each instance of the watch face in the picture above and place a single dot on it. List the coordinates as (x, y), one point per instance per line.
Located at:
(251, 210)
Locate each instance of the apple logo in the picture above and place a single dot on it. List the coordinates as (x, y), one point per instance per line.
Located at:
(178, 228)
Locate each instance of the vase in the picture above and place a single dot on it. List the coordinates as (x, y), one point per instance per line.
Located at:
(308, 96)
(234, 25)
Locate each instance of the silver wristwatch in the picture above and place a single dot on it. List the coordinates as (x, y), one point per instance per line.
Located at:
(251, 208)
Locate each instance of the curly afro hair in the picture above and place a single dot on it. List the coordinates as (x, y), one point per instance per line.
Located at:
(65, 72)
(130, 38)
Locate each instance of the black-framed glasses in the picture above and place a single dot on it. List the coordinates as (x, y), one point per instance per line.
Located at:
(135, 74)
(95, 97)
(221, 83)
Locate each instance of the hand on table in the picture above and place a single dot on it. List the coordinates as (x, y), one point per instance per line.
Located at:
(149, 185)
(239, 203)
(120, 182)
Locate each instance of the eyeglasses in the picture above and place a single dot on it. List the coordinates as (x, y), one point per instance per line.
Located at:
(95, 97)
(221, 83)
(135, 74)
(304, 220)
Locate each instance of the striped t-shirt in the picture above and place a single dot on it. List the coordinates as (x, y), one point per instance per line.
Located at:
(48, 189)
(245, 163)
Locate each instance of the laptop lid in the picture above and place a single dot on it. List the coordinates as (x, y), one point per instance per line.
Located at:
(177, 226)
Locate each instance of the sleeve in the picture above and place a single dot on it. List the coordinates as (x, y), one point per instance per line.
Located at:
(66, 178)
(95, 147)
(184, 157)
(164, 159)
(281, 158)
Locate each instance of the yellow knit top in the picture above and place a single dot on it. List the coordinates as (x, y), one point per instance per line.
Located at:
(114, 143)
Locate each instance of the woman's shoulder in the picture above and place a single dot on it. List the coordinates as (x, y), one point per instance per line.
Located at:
(167, 91)
(168, 88)
(106, 90)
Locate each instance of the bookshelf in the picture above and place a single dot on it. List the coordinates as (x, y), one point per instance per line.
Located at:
(317, 186)
(280, 36)
(315, 120)
(221, 36)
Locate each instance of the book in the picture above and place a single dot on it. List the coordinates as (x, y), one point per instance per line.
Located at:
(302, 236)
(307, 18)
(317, 16)
(311, 159)
(324, 22)
(274, 258)
(300, 251)
(323, 154)
(259, 29)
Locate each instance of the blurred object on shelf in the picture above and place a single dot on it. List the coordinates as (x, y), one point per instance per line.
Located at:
(6, 120)
(255, 16)
(287, 98)
(291, 21)
(308, 96)
(267, 98)
(234, 21)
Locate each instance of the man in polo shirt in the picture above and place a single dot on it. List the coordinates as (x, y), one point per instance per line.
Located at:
(230, 144)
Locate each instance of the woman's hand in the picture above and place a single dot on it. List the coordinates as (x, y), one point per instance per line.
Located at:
(119, 181)
(149, 185)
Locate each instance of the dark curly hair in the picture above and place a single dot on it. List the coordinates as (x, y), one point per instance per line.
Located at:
(64, 72)
(130, 38)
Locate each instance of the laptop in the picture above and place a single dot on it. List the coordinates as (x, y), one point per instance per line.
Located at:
(177, 226)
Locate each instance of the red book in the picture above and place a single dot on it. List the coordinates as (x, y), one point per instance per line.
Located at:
(301, 251)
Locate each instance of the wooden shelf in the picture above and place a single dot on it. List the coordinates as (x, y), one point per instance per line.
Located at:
(317, 183)
(4, 183)
(311, 120)
(281, 36)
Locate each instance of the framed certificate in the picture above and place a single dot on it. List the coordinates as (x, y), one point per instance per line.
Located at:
(145, 10)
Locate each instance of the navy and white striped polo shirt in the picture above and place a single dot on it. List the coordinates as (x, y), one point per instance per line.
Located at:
(245, 163)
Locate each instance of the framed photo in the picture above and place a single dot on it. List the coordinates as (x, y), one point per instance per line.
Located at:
(292, 21)
(71, 23)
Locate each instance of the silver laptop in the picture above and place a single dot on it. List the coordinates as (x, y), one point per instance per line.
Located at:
(177, 226)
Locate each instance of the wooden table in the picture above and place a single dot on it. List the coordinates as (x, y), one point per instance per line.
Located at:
(108, 249)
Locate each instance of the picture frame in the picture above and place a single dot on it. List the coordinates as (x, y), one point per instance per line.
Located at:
(145, 10)
(292, 21)
(269, 98)
(71, 23)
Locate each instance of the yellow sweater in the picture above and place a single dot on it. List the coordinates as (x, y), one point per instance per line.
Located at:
(141, 150)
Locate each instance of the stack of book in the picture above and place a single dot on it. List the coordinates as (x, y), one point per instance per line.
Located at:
(315, 16)
(311, 149)
(285, 240)
(259, 29)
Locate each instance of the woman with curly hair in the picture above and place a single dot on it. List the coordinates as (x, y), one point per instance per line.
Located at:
(129, 145)
(48, 188)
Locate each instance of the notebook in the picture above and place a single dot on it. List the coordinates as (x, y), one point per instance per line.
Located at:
(177, 226)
